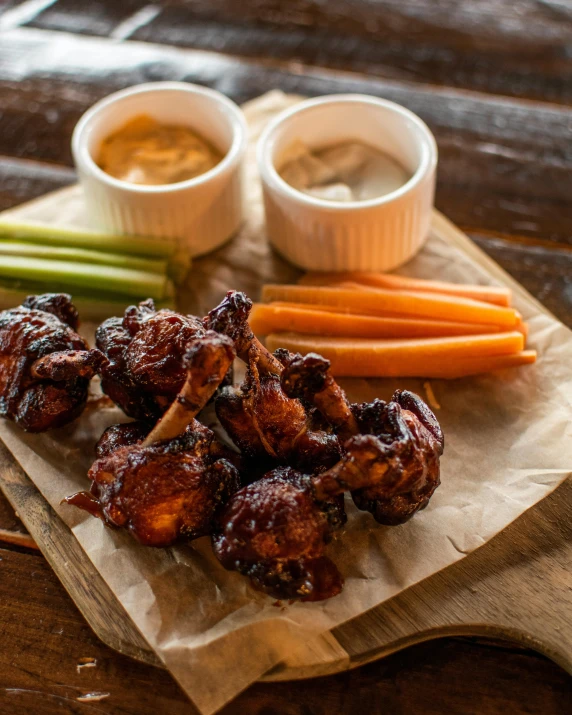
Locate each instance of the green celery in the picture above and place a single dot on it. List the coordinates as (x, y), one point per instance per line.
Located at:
(69, 276)
(93, 240)
(81, 255)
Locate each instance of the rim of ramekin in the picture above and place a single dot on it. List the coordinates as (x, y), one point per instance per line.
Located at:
(84, 160)
(270, 175)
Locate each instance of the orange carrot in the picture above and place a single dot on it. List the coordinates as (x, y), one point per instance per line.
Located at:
(381, 302)
(522, 327)
(268, 318)
(425, 357)
(498, 295)
(479, 366)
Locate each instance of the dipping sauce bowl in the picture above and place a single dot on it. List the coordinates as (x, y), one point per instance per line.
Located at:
(374, 235)
(203, 212)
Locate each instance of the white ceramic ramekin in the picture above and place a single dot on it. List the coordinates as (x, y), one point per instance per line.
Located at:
(375, 235)
(203, 212)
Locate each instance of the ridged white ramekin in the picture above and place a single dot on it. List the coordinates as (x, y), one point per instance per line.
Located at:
(374, 235)
(203, 212)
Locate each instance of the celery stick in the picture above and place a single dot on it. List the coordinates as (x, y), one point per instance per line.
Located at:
(94, 240)
(89, 308)
(81, 255)
(72, 275)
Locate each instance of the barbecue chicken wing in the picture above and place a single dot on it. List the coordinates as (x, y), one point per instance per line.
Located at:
(405, 435)
(145, 349)
(266, 424)
(276, 530)
(45, 366)
(167, 484)
(402, 438)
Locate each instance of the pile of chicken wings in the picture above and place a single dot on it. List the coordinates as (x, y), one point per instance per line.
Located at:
(273, 502)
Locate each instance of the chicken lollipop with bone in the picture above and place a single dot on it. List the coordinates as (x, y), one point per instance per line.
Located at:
(145, 349)
(405, 425)
(268, 426)
(45, 366)
(168, 484)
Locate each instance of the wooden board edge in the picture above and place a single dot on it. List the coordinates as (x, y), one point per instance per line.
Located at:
(95, 601)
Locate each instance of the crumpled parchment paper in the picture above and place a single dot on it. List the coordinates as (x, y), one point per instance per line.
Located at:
(507, 446)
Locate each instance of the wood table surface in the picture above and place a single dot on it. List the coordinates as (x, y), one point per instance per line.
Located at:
(492, 78)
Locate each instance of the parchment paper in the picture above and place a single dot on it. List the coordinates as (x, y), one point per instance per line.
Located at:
(507, 446)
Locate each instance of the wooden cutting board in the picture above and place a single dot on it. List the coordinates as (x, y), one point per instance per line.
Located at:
(518, 586)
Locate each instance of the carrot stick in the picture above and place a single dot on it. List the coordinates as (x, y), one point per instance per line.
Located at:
(498, 295)
(522, 327)
(479, 366)
(425, 357)
(282, 317)
(381, 302)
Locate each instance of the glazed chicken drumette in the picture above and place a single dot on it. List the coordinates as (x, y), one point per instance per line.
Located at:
(145, 349)
(45, 366)
(401, 438)
(167, 484)
(267, 425)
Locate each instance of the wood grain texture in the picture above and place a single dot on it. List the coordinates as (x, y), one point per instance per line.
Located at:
(9, 522)
(48, 638)
(442, 42)
(504, 164)
(64, 554)
(17, 538)
(544, 271)
(38, 673)
(25, 179)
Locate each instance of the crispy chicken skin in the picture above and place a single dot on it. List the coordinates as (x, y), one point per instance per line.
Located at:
(401, 438)
(230, 318)
(303, 446)
(308, 378)
(275, 531)
(165, 491)
(45, 366)
(405, 436)
(122, 435)
(265, 423)
(145, 349)
(167, 484)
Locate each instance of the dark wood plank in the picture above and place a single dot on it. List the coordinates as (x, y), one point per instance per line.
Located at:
(8, 5)
(90, 18)
(544, 271)
(38, 673)
(437, 41)
(49, 638)
(22, 180)
(68, 560)
(504, 164)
